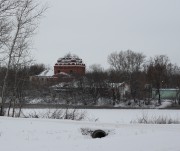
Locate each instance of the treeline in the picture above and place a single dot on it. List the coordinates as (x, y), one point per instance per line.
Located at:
(141, 73)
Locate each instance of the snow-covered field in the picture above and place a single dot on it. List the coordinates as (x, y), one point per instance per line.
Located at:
(27, 134)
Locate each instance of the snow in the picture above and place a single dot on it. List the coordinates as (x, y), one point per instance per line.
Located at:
(165, 104)
(27, 134)
(36, 101)
(63, 73)
(114, 116)
(70, 60)
(47, 73)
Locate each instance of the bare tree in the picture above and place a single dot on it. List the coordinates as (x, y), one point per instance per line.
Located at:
(24, 23)
(7, 9)
(126, 61)
(20, 60)
(128, 66)
(97, 81)
(157, 73)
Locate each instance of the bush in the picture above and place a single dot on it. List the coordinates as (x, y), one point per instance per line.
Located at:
(71, 114)
(155, 120)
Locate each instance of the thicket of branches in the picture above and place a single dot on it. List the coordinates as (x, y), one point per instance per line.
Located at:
(141, 73)
(19, 20)
(157, 72)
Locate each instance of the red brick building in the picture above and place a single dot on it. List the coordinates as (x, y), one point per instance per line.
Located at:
(70, 64)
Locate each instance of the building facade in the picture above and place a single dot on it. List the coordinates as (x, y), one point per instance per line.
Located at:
(44, 78)
(70, 65)
(172, 94)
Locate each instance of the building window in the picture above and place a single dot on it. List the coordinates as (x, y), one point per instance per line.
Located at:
(70, 71)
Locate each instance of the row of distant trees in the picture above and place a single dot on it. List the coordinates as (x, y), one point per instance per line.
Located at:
(139, 72)
(125, 66)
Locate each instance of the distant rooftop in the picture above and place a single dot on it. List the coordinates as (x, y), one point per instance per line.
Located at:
(46, 73)
(70, 60)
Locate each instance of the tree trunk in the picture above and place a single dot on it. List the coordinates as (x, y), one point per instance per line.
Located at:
(10, 103)
(159, 97)
(7, 70)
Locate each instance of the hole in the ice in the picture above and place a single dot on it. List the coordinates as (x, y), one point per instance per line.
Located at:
(98, 134)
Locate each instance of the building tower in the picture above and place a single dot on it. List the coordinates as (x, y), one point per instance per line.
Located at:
(70, 64)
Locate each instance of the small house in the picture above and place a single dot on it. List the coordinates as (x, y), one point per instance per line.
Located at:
(166, 93)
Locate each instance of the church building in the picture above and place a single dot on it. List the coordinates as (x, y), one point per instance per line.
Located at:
(70, 64)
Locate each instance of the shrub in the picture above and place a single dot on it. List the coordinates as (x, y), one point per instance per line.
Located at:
(144, 119)
(71, 114)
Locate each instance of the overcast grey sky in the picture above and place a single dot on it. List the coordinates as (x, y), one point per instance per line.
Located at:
(92, 29)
